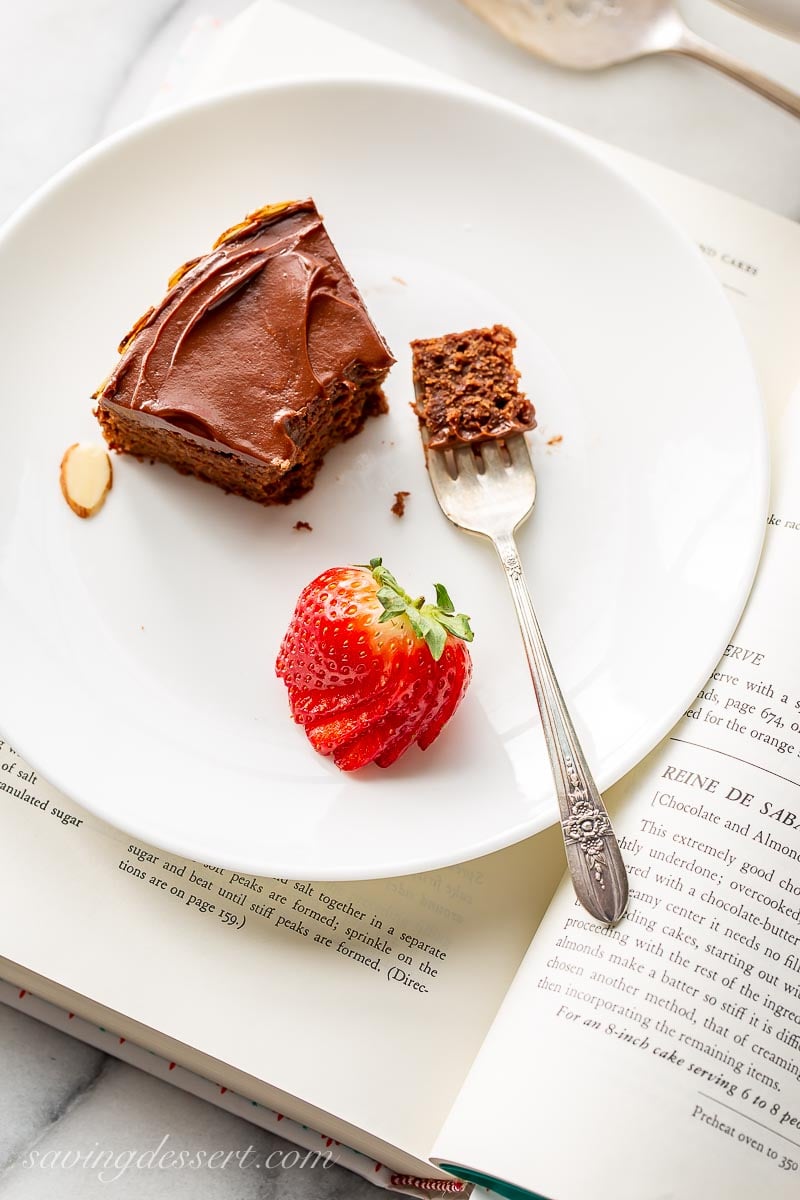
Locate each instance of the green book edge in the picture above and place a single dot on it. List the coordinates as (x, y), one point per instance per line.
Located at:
(493, 1185)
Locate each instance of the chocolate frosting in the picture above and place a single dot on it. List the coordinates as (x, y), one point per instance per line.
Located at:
(249, 335)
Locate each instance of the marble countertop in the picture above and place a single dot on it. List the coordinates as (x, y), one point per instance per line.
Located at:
(73, 70)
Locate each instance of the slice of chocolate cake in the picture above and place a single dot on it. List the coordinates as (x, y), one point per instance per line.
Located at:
(466, 387)
(260, 358)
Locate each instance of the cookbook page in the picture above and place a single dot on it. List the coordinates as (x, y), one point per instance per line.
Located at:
(661, 1058)
(345, 995)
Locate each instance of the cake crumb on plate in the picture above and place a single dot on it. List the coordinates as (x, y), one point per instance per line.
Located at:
(399, 506)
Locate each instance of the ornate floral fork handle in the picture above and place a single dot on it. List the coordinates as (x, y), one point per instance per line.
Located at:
(593, 855)
(489, 489)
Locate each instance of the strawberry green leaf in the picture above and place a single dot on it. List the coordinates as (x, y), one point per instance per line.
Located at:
(426, 626)
(435, 639)
(386, 578)
(416, 622)
(443, 599)
(458, 625)
(393, 604)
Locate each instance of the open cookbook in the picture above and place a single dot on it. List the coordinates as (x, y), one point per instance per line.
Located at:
(474, 1021)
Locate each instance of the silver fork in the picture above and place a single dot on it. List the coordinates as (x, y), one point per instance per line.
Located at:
(489, 489)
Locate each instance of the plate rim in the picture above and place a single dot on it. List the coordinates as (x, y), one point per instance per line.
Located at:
(621, 763)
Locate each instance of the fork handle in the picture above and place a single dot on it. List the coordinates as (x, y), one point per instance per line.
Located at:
(696, 47)
(593, 855)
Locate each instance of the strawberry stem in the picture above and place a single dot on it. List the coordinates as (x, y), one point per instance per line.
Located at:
(430, 622)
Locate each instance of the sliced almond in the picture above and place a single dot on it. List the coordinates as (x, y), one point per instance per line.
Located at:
(86, 478)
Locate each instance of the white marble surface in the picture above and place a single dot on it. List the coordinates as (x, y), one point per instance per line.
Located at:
(57, 1095)
(71, 70)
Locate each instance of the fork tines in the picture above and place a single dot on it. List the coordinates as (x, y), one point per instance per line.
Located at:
(479, 457)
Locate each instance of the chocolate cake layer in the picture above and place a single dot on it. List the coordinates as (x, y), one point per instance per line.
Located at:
(467, 387)
(260, 357)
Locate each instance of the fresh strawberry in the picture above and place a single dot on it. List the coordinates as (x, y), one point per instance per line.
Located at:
(369, 670)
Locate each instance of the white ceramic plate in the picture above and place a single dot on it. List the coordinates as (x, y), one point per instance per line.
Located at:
(138, 648)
